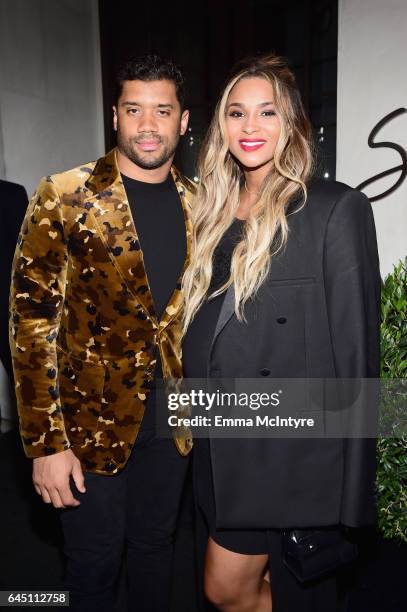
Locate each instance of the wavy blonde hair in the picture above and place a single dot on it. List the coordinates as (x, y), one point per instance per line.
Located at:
(220, 181)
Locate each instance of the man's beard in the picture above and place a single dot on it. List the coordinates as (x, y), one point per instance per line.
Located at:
(146, 161)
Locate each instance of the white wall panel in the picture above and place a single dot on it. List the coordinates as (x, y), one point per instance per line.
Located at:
(372, 82)
(50, 88)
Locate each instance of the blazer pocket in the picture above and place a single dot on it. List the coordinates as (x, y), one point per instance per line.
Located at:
(81, 389)
(293, 282)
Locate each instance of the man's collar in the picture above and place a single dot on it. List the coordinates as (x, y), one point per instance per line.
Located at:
(106, 173)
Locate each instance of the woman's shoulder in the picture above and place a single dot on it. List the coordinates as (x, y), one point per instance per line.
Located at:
(334, 196)
(319, 187)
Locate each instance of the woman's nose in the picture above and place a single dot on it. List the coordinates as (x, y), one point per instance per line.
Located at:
(250, 125)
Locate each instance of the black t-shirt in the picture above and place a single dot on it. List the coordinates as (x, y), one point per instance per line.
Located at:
(159, 220)
(198, 338)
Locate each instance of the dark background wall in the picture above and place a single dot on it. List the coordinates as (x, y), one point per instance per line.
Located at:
(206, 38)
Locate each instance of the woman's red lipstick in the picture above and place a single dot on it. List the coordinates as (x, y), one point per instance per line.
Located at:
(251, 144)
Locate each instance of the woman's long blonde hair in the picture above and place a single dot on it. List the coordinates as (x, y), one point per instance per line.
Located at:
(220, 181)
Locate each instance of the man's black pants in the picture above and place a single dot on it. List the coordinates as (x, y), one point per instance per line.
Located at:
(134, 511)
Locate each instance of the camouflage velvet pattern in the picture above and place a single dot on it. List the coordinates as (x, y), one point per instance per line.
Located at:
(82, 325)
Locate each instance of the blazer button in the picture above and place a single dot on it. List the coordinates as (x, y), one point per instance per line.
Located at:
(282, 320)
(265, 372)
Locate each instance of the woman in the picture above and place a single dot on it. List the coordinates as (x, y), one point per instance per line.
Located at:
(284, 282)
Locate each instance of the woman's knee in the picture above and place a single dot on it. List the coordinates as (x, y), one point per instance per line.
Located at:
(230, 591)
(221, 591)
(232, 579)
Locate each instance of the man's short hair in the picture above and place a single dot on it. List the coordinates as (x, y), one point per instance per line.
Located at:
(151, 67)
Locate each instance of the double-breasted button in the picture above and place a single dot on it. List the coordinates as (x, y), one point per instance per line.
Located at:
(282, 320)
(265, 372)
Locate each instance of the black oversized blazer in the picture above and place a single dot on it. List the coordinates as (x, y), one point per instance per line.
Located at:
(317, 315)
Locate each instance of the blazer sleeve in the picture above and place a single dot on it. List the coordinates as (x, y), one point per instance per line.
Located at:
(36, 302)
(352, 287)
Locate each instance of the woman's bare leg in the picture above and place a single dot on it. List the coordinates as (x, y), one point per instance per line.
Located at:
(235, 582)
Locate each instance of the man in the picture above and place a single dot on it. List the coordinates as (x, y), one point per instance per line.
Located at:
(96, 308)
(13, 204)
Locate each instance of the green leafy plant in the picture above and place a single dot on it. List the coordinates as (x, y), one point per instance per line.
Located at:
(392, 450)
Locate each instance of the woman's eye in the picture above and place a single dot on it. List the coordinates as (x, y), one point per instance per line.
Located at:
(235, 114)
(268, 113)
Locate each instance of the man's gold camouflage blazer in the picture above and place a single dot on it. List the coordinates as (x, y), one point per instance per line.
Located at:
(83, 331)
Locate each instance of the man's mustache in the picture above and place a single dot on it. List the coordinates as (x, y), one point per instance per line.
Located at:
(147, 138)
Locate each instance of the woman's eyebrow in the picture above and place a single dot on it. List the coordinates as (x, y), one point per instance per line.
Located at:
(241, 105)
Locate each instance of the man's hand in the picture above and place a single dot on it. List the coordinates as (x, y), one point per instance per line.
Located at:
(51, 478)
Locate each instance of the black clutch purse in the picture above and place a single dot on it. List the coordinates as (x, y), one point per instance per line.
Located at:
(310, 554)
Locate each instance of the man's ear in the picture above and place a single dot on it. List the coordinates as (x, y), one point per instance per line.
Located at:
(184, 122)
(114, 118)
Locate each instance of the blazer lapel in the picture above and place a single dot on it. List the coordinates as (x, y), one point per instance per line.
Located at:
(226, 312)
(228, 306)
(175, 303)
(111, 211)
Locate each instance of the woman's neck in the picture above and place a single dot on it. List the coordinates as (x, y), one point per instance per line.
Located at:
(255, 177)
(249, 193)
